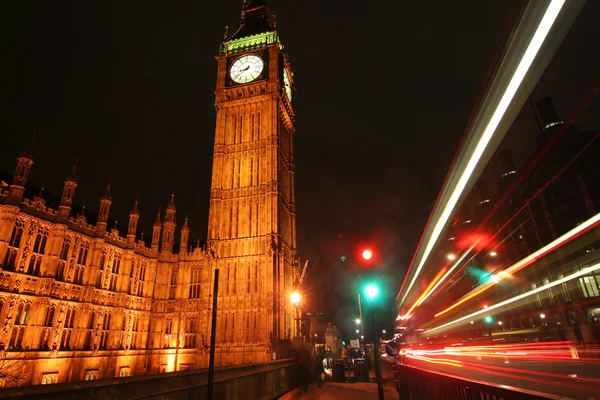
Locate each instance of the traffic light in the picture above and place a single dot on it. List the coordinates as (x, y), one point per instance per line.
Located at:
(367, 254)
(371, 291)
(488, 319)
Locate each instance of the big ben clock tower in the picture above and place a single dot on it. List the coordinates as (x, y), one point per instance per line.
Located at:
(252, 218)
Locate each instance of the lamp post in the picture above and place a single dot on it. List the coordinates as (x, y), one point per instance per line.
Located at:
(371, 291)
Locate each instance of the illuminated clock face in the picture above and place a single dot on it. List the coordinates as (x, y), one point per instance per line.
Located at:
(287, 85)
(246, 69)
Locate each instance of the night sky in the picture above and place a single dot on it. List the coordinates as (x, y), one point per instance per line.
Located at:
(384, 92)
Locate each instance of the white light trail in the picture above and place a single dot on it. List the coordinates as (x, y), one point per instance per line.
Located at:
(583, 272)
(460, 259)
(518, 76)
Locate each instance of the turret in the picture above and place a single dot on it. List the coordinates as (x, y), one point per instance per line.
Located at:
(134, 217)
(169, 227)
(185, 235)
(16, 189)
(66, 199)
(105, 203)
(156, 233)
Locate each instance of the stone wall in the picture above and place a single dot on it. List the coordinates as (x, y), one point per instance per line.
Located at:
(255, 381)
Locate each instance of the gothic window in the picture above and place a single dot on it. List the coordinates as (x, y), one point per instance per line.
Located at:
(241, 130)
(40, 240)
(105, 331)
(134, 331)
(116, 266)
(101, 267)
(248, 282)
(91, 375)
(65, 340)
(70, 318)
(78, 278)
(195, 283)
(191, 332)
(231, 330)
(257, 180)
(255, 329)
(258, 126)
(83, 253)
(256, 277)
(225, 329)
(49, 378)
(173, 286)
(234, 128)
(248, 327)
(50, 316)
(238, 175)
(228, 279)
(64, 253)
(142, 277)
(234, 280)
(22, 314)
(17, 233)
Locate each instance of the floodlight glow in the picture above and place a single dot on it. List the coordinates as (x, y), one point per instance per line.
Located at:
(518, 76)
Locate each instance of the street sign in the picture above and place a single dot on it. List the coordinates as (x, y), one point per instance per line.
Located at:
(355, 344)
(392, 349)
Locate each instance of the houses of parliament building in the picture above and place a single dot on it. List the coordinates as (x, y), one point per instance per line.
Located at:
(80, 302)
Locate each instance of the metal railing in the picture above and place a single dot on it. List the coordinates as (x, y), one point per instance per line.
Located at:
(418, 384)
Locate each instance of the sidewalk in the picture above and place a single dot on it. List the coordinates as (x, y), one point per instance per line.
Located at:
(345, 391)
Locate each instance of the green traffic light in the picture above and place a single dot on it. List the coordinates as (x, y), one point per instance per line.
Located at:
(371, 291)
(488, 319)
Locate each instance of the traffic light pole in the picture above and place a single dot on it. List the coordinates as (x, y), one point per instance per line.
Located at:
(376, 350)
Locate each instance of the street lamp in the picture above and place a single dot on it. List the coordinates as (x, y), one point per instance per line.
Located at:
(295, 298)
(357, 320)
(357, 331)
(451, 256)
(383, 331)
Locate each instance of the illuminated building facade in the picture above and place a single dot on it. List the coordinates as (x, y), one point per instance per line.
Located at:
(80, 302)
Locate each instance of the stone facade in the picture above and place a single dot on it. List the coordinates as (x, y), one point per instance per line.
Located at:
(80, 302)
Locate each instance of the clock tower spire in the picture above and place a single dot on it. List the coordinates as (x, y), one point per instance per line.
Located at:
(252, 217)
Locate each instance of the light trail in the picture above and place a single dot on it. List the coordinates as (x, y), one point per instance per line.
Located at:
(460, 259)
(437, 277)
(532, 49)
(482, 90)
(583, 272)
(525, 262)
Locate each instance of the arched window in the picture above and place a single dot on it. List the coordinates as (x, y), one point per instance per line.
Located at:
(17, 233)
(50, 316)
(64, 253)
(92, 320)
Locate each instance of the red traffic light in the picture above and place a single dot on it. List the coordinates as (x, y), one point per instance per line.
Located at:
(367, 254)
